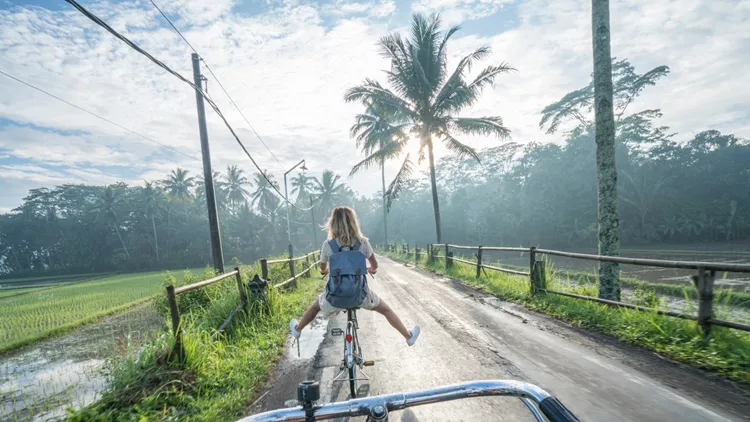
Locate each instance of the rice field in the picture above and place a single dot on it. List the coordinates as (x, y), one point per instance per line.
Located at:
(29, 317)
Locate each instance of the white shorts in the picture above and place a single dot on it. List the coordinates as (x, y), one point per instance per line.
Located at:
(371, 301)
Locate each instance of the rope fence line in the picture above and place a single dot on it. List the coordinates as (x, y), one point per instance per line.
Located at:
(703, 281)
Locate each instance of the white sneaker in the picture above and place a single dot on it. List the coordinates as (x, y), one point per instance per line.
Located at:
(414, 334)
(293, 326)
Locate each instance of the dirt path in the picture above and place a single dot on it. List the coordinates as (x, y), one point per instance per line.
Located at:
(468, 335)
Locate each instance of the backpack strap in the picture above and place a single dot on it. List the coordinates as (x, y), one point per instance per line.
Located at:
(356, 246)
(335, 248)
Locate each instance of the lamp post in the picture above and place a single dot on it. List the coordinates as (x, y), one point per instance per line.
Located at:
(286, 197)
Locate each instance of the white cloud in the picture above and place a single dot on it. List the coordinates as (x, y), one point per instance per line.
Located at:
(288, 68)
(457, 11)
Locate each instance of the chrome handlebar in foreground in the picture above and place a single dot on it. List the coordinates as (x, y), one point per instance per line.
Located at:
(376, 408)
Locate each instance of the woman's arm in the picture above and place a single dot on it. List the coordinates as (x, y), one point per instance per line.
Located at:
(373, 264)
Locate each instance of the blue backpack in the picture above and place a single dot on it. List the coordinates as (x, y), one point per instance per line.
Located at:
(347, 285)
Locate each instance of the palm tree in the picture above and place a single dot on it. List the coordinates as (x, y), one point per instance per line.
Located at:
(178, 186)
(152, 198)
(426, 98)
(606, 172)
(264, 196)
(106, 207)
(380, 141)
(328, 191)
(235, 186)
(302, 185)
(220, 191)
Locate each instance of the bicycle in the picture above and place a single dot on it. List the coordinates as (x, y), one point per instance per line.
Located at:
(352, 353)
(376, 409)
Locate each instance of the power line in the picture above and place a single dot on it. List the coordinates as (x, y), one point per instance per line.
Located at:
(213, 105)
(219, 83)
(96, 115)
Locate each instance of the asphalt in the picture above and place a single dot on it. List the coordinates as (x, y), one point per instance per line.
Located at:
(468, 335)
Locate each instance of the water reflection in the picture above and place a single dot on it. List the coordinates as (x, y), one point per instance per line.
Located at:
(42, 381)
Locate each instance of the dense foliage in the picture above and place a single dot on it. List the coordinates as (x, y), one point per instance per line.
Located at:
(691, 191)
(161, 225)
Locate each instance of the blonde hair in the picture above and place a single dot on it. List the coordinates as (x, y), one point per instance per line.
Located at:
(344, 227)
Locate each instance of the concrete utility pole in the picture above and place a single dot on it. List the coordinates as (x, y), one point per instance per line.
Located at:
(213, 216)
(314, 229)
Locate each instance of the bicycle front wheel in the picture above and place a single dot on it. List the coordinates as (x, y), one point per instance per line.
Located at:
(353, 381)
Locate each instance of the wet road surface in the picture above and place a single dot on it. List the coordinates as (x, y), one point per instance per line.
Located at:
(467, 335)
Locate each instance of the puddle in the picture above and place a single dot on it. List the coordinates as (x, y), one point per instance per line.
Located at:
(40, 382)
(309, 340)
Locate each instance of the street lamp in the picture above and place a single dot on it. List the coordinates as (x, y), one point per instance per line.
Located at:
(286, 197)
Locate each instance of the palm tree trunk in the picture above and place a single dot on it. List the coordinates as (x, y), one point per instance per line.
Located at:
(385, 211)
(433, 182)
(156, 240)
(121, 241)
(609, 223)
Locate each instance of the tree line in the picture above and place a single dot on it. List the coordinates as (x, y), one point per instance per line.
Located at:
(161, 224)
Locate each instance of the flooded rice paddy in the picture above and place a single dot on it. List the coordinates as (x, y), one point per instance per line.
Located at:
(40, 382)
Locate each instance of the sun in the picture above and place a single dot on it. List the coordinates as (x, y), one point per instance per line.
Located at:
(412, 148)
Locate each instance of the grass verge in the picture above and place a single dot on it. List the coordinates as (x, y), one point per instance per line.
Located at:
(725, 351)
(221, 375)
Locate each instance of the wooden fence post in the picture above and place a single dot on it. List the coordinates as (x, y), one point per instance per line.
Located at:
(407, 248)
(241, 288)
(175, 313)
(307, 265)
(479, 261)
(264, 269)
(446, 255)
(449, 260)
(704, 282)
(416, 255)
(429, 253)
(539, 279)
(532, 275)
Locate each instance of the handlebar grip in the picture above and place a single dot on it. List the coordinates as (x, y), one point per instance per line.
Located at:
(555, 411)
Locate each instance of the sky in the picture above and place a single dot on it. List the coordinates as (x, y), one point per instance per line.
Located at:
(288, 63)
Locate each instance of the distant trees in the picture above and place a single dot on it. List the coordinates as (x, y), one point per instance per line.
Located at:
(158, 225)
(425, 98)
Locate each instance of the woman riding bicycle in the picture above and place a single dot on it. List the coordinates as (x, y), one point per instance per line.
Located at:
(343, 227)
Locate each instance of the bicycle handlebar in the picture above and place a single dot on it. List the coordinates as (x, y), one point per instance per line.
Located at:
(373, 406)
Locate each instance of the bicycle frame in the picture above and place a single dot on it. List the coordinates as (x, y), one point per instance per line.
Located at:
(352, 353)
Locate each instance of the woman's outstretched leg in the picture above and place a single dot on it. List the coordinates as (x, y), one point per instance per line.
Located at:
(307, 318)
(395, 321)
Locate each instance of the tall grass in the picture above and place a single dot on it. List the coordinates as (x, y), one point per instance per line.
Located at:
(725, 351)
(221, 373)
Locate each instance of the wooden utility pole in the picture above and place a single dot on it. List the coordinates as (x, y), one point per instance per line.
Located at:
(208, 176)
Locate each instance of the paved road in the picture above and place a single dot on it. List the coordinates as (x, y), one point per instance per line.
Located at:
(467, 335)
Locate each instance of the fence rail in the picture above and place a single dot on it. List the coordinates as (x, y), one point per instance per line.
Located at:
(688, 265)
(703, 281)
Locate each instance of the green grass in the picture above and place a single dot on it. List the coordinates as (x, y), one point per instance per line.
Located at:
(725, 351)
(221, 376)
(49, 277)
(13, 292)
(30, 317)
